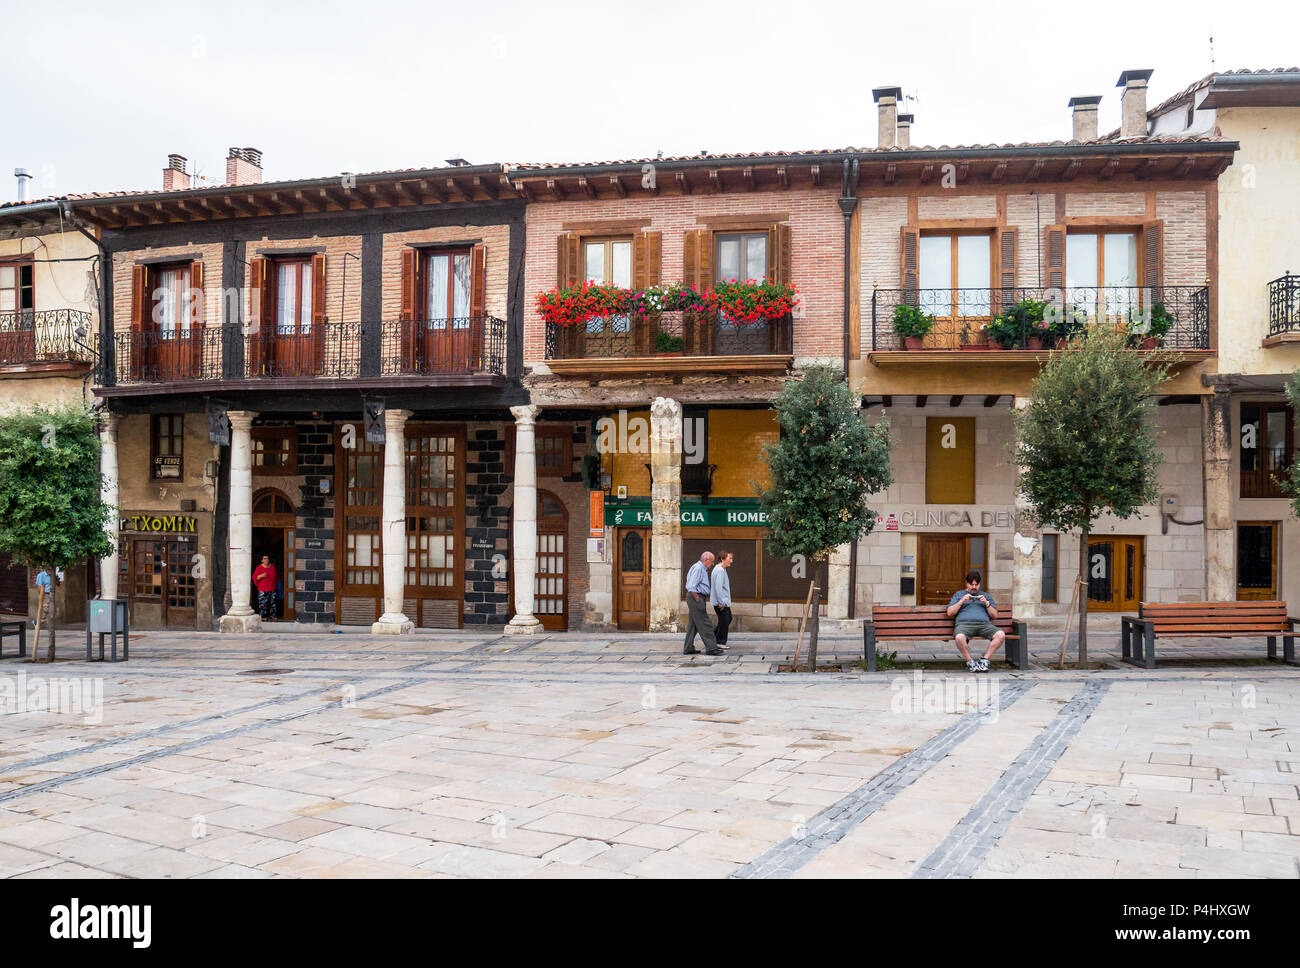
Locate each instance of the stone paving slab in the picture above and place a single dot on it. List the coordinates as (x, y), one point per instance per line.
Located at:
(575, 755)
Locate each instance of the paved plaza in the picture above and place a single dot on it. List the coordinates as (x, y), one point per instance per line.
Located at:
(301, 754)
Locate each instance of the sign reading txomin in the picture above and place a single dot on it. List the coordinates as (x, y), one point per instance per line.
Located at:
(159, 523)
(693, 516)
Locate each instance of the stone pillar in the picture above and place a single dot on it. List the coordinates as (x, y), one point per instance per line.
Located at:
(241, 617)
(524, 553)
(393, 621)
(1216, 445)
(837, 583)
(666, 589)
(1026, 555)
(108, 493)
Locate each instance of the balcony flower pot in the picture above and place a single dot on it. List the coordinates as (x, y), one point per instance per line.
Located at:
(670, 353)
(1034, 343)
(913, 342)
(911, 325)
(1150, 343)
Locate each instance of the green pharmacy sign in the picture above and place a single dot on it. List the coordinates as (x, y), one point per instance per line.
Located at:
(691, 516)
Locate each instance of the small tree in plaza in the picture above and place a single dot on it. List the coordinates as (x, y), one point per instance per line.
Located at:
(1086, 442)
(824, 467)
(51, 514)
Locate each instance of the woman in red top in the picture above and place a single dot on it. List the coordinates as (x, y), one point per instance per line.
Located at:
(265, 580)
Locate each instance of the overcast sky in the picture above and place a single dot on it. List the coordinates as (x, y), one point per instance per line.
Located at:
(97, 94)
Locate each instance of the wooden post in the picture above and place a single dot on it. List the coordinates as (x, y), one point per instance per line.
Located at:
(40, 611)
(814, 619)
(802, 619)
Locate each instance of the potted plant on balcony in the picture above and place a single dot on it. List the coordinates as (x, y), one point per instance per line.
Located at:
(751, 301)
(667, 344)
(1004, 331)
(1025, 319)
(1147, 333)
(912, 324)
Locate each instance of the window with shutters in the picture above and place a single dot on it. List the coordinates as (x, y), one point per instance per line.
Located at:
(17, 287)
(170, 291)
(447, 288)
(167, 447)
(609, 262)
(1104, 263)
(956, 273)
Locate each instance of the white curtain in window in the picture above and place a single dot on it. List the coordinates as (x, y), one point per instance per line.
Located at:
(974, 274)
(437, 272)
(460, 290)
(935, 254)
(286, 299)
(305, 284)
(168, 308)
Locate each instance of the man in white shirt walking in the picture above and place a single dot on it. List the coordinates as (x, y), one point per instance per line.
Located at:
(721, 584)
(697, 607)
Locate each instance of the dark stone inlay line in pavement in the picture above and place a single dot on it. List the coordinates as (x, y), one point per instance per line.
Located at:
(968, 843)
(834, 823)
(193, 744)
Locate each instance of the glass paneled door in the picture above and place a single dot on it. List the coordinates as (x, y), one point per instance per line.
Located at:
(1102, 274)
(550, 590)
(1114, 574)
(174, 349)
(447, 334)
(956, 276)
(294, 348)
(1257, 561)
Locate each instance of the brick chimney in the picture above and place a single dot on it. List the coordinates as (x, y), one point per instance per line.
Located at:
(1133, 103)
(887, 102)
(904, 131)
(175, 177)
(244, 167)
(1085, 117)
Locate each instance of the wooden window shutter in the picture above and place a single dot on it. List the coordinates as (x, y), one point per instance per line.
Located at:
(778, 253)
(646, 256)
(909, 259)
(1153, 254)
(1054, 256)
(318, 309)
(697, 259)
(478, 281)
(258, 317)
(568, 260)
(196, 316)
(1008, 253)
(410, 257)
(139, 298)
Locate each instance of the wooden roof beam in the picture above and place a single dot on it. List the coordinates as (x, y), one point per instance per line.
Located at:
(1146, 169)
(782, 178)
(816, 172)
(683, 183)
(585, 187)
(891, 172)
(1185, 168)
(927, 173)
(456, 187)
(920, 401)
(1072, 169)
(747, 177)
(991, 400)
(553, 187)
(409, 193)
(1035, 170)
(616, 183)
(1108, 169)
(955, 400)
(487, 186)
(427, 187)
(998, 171)
(715, 181)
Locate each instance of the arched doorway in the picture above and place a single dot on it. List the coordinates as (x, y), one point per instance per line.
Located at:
(273, 535)
(551, 593)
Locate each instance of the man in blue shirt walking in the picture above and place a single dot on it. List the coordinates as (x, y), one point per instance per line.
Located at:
(722, 595)
(697, 607)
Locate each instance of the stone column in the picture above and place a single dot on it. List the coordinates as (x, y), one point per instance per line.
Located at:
(524, 517)
(108, 493)
(241, 617)
(1216, 446)
(837, 583)
(666, 590)
(393, 621)
(1026, 554)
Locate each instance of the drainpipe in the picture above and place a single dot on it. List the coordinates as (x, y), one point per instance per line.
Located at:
(848, 204)
(107, 363)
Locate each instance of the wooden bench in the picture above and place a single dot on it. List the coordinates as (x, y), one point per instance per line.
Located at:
(1217, 620)
(910, 622)
(18, 628)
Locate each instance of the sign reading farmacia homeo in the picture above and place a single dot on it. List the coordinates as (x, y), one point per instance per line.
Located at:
(635, 516)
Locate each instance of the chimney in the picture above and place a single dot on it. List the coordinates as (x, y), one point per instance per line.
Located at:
(1085, 117)
(904, 130)
(1133, 103)
(244, 167)
(23, 176)
(175, 178)
(887, 100)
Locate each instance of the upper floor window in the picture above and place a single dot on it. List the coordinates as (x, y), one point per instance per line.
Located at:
(447, 278)
(609, 262)
(1101, 259)
(293, 297)
(275, 450)
(1265, 445)
(17, 288)
(170, 288)
(741, 256)
(956, 273)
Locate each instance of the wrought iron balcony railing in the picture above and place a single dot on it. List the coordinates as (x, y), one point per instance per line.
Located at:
(669, 334)
(467, 346)
(1284, 305)
(46, 336)
(971, 316)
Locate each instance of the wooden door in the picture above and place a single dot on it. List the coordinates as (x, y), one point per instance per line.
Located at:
(550, 586)
(1257, 561)
(632, 579)
(944, 561)
(1115, 574)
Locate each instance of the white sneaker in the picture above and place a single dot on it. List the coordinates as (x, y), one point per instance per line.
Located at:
(972, 665)
(983, 665)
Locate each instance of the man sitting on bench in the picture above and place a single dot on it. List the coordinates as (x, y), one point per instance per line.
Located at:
(975, 612)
